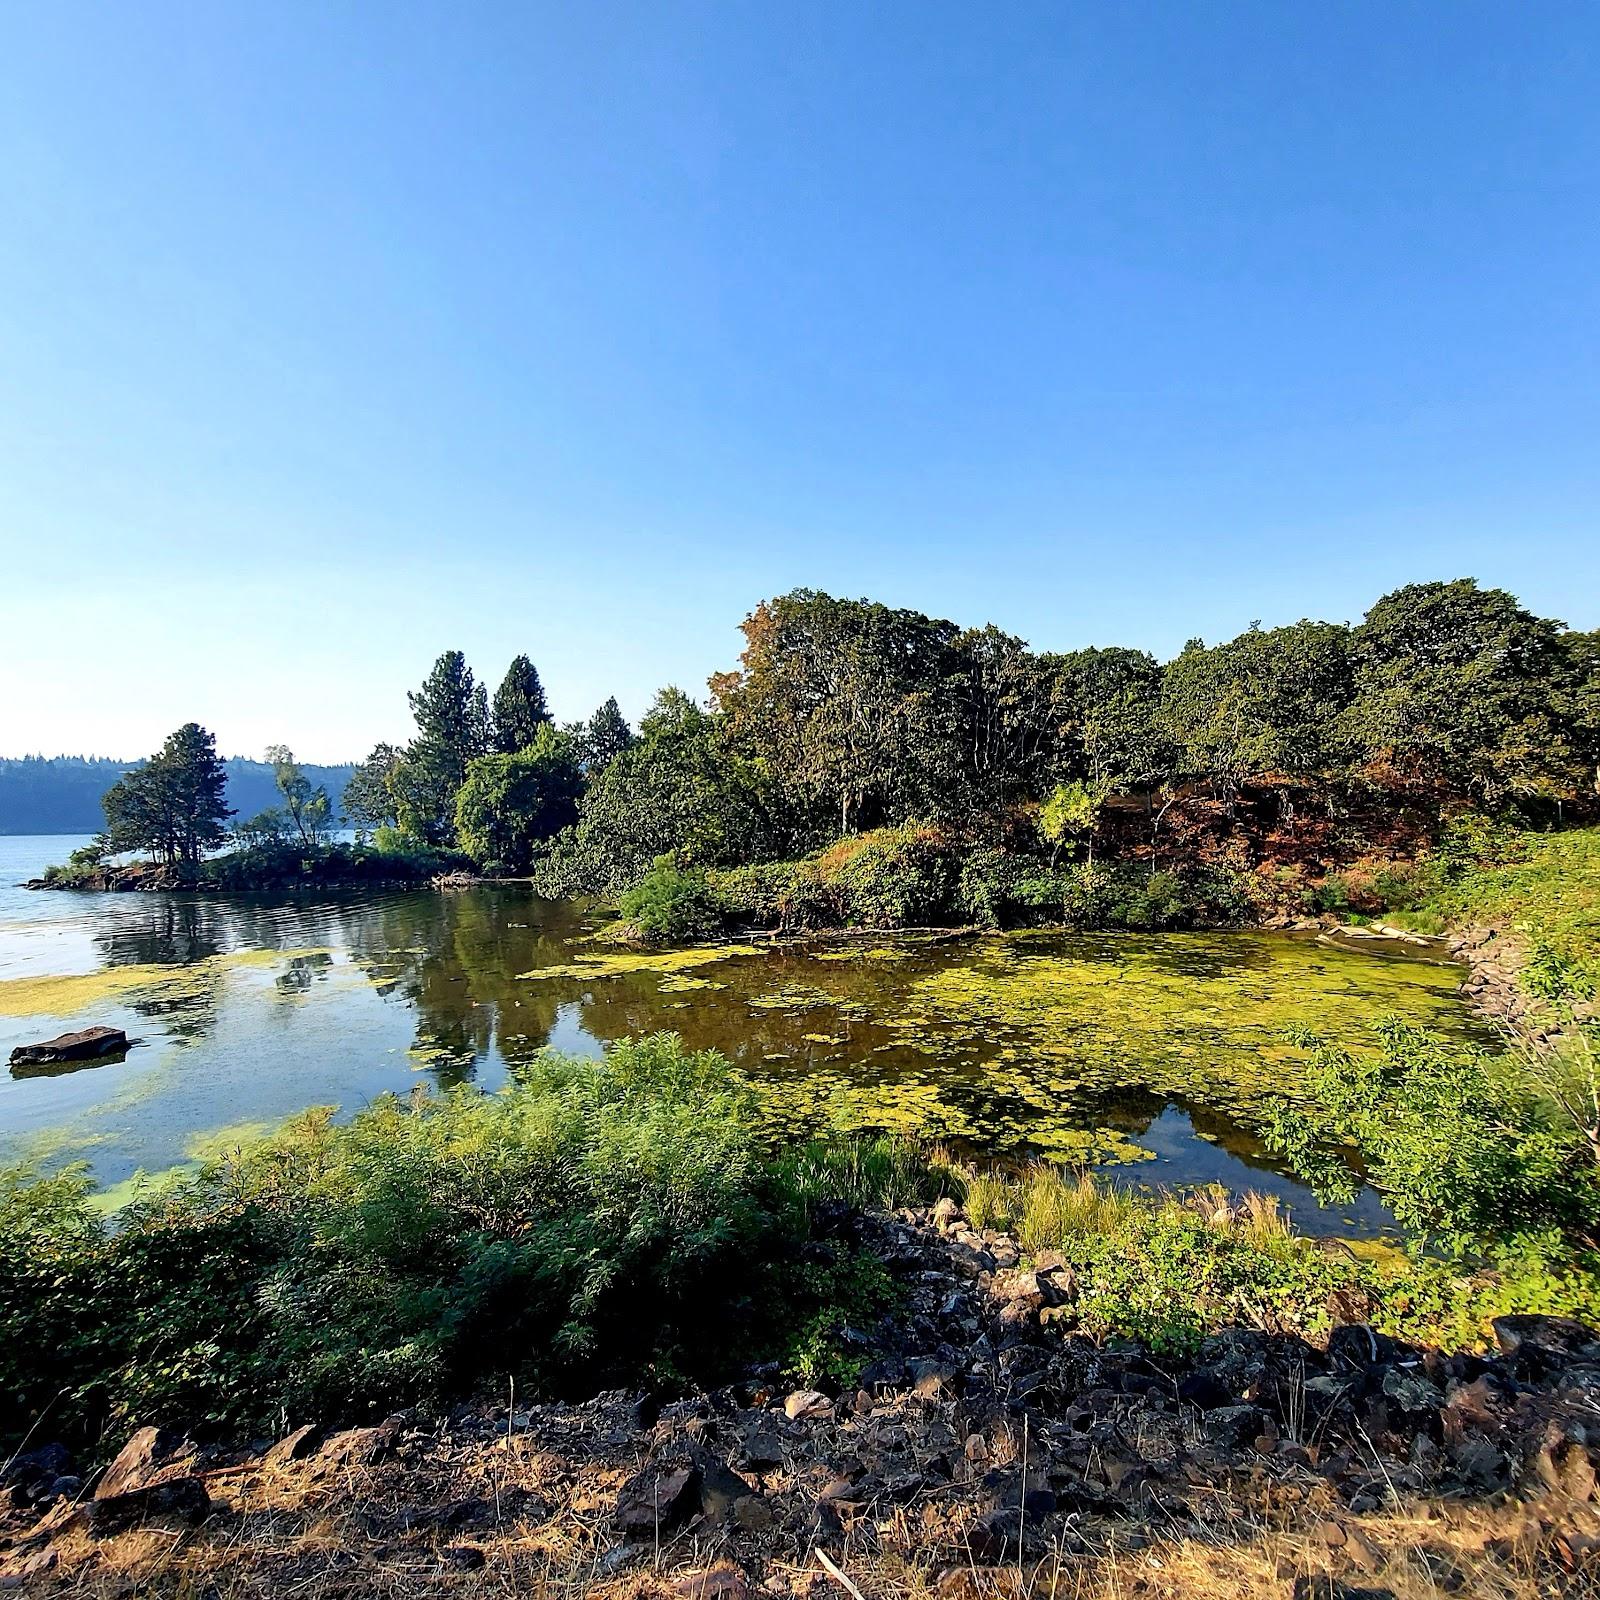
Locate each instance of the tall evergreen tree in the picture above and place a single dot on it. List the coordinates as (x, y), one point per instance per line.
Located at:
(519, 708)
(452, 717)
(368, 797)
(605, 736)
(175, 805)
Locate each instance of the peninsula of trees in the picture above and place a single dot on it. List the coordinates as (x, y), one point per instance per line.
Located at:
(866, 764)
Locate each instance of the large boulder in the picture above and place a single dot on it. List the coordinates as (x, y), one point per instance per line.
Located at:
(86, 1045)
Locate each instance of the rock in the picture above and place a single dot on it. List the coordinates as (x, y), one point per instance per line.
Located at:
(759, 1446)
(294, 1446)
(935, 1380)
(1478, 1463)
(38, 1477)
(357, 1447)
(48, 1461)
(807, 1405)
(752, 1514)
(1206, 1387)
(618, 1558)
(724, 1581)
(85, 1045)
(174, 1500)
(464, 1557)
(1544, 1341)
(721, 1489)
(946, 1213)
(1485, 1407)
(1234, 1427)
(655, 1501)
(1409, 1392)
(144, 1460)
(994, 1537)
(1358, 1345)
(1567, 1469)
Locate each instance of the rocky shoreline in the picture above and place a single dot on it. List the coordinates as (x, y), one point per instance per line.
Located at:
(983, 1442)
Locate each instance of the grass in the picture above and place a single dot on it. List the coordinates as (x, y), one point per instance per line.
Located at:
(1544, 887)
(1239, 1538)
(1168, 1267)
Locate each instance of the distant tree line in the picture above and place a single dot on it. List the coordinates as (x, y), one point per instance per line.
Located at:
(61, 794)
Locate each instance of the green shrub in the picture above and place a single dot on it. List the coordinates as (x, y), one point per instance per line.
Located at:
(1475, 1151)
(595, 1221)
(891, 878)
(671, 905)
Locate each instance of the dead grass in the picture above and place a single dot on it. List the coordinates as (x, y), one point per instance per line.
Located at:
(367, 1533)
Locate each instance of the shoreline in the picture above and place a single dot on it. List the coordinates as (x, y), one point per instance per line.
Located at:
(981, 1438)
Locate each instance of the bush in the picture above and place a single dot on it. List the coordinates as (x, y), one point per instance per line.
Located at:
(510, 805)
(1477, 1152)
(890, 878)
(671, 906)
(1168, 1268)
(594, 1222)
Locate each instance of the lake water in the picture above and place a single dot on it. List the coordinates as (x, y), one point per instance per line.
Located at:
(1153, 1056)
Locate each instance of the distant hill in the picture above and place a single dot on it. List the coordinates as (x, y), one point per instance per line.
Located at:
(61, 794)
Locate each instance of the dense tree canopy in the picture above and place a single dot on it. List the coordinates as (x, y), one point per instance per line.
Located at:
(1465, 689)
(511, 803)
(678, 789)
(1106, 723)
(1266, 703)
(850, 701)
(845, 716)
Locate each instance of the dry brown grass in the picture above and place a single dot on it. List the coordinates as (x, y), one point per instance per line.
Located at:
(286, 1532)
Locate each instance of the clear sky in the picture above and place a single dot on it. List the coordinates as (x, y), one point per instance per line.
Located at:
(335, 335)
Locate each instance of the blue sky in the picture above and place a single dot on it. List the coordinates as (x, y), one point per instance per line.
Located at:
(332, 336)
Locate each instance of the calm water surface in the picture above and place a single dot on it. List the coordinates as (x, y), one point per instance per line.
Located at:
(1152, 1055)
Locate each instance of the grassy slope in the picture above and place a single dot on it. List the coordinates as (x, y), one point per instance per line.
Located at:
(1547, 889)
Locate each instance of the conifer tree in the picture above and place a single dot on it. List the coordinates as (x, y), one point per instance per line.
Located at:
(519, 708)
(175, 805)
(452, 717)
(605, 736)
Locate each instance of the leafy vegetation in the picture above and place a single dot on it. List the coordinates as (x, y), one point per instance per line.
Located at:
(671, 905)
(511, 803)
(173, 806)
(1167, 1268)
(875, 766)
(593, 1221)
(1543, 888)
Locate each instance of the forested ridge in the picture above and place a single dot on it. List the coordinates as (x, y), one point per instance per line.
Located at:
(62, 794)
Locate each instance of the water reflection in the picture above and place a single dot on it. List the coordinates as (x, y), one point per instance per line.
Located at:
(1087, 1046)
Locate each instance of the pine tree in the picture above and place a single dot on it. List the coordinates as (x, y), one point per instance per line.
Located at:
(519, 708)
(368, 798)
(452, 717)
(175, 805)
(605, 737)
